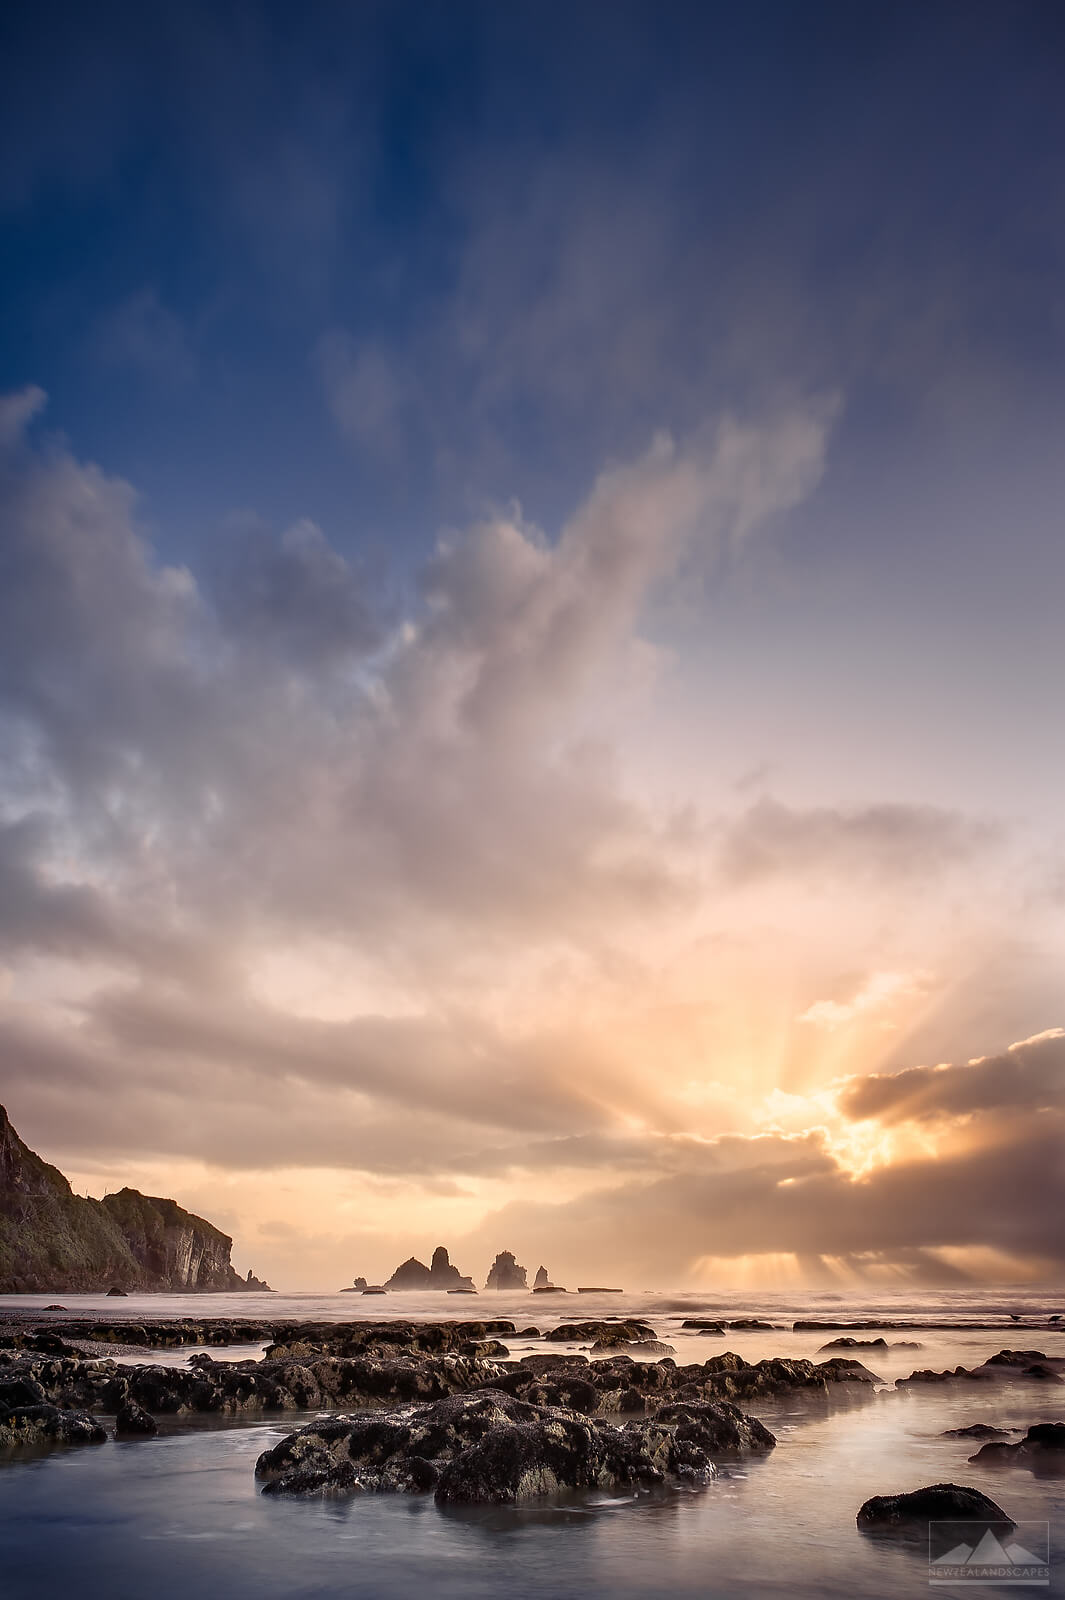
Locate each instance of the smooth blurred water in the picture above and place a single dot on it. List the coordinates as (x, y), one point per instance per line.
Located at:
(181, 1515)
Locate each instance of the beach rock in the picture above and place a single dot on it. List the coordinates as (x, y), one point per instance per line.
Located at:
(1042, 1448)
(629, 1332)
(133, 1422)
(976, 1430)
(939, 1502)
(115, 1293)
(847, 1343)
(703, 1324)
(47, 1424)
(1015, 1358)
(632, 1347)
(749, 1325)
(542, 1280)
(718, 1428)
(487, 1448)
(505, 1273)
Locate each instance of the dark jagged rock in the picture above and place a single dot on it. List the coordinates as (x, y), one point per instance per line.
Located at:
(940, 1502)
(490, 1448)
(718, 1427)
(976, 1430)
(1015, 1358)
(47, 1424)
(703, 1325)
(542, 1279)
(847, 1343)
(51, 1238)
(576, 1332)
(1042, 1449)
(925, 1375)
(505, 1273)
(749, 1325)
(632, 1347)
(414, 1274)
(133, 1422)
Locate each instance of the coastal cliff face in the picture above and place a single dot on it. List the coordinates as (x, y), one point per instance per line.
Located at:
(53, 1239)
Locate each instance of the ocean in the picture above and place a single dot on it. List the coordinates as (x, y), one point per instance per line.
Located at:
(181, 1514)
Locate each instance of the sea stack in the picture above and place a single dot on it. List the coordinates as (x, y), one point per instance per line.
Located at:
(506, 1273)
(441, 1275)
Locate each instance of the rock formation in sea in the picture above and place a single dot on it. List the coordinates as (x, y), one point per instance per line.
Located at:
(542, 1279)
(414, 1274)
(51, 1238)
(505, 1273)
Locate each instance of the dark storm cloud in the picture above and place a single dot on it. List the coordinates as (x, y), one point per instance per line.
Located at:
(1006, 1197)
(1029, 1076)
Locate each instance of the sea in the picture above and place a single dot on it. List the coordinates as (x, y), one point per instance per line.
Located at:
(181, 1516)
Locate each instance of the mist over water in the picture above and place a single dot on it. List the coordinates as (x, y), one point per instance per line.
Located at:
(181, 1514)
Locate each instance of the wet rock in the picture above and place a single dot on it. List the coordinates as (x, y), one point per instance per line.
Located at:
(578, 1332)
(133, 1422)
(847, 1343)
(1015, 1358)
(487, 1448)
(718, 1428)
(548, 1359)
(1042, 1448)
(939, 1502)
(115, 1293)
(976, 1430)
(47, 1424)
(640, 1347)
(703, 1324)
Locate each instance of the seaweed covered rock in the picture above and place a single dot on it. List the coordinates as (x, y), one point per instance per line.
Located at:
(47, 1424)
(489, 1448)
(630, 1332)
(133, 1422)
(718, 1428)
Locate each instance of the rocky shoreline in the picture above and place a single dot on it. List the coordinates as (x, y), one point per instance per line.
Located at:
(443, 1407)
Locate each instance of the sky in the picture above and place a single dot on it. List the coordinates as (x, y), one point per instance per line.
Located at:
(531, 572)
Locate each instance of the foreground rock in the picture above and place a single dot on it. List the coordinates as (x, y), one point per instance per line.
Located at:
(490, 1448)
(1042, 1449)
(40, 1423)
(375, 1366)
(940, 1502)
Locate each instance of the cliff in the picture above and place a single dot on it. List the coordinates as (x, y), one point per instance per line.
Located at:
(53, 1239)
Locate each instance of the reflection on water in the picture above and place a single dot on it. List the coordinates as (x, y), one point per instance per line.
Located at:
(180, 1515)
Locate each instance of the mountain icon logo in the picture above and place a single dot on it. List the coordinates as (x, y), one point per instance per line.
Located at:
(989, 1552)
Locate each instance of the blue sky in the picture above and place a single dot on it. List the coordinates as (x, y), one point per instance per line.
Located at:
(531, 556)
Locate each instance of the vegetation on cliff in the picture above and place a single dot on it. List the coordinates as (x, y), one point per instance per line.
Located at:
(51, 1238)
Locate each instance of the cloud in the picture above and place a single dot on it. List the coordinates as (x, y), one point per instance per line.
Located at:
(1029, 1076)
(892, 1222)
(297, 873)
(771, 839)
